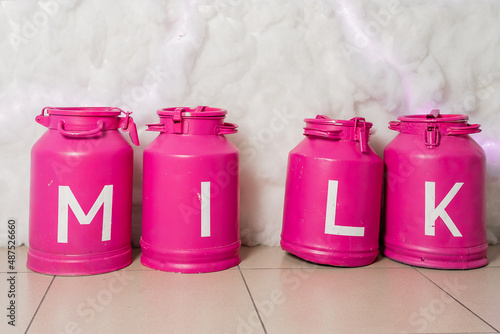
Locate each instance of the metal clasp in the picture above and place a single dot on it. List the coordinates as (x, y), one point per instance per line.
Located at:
(360, 132)
(432, 136)
(177, 119)
(127, 125)
(125, 121)
(42, 119)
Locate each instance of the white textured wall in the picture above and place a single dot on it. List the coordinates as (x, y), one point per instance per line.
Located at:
(270, 63)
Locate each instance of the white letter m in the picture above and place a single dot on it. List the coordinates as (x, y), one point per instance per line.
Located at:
(67, 199)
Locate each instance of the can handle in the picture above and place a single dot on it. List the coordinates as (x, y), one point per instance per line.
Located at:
(200, 108)
(395, 125)
(433, 114)
(328, 134)
(156, 127)
(463, 130)
(79, 134)
(227, 129)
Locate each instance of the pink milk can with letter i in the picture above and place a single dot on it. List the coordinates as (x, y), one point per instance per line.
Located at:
(190, 221)
(333, 194)
(81, 192)
(435, 194)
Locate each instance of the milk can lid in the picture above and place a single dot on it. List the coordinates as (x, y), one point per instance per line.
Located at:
(434, 117)
(184, 112)
(356, 129)
(434, 125)
(83, 111)
(321, 121)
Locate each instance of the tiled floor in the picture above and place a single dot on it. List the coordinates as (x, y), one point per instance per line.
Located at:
(269, 292)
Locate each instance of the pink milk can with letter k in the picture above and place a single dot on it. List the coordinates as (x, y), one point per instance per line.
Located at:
(190, 221)
(333, 194)
(435, 193)
(81, 192)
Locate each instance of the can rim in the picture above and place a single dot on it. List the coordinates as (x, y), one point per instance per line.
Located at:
(441, 118)
(83, 111)
(325, 120)
(187, 112)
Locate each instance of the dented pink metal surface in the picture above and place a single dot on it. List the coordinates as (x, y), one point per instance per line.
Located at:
(333, 194)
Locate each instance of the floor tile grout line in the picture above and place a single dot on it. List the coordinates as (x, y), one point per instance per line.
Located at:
(333, 268)
(455, 299)
(253, 302)
(39, 305)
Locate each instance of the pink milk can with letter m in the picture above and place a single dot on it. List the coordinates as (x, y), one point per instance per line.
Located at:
(333, 194)
(81, 192)
(435, 194)
(190, 221)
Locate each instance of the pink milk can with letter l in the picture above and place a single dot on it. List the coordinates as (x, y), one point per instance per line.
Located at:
(333, 194)
(81, 192)
(190, 221)
(435, 193)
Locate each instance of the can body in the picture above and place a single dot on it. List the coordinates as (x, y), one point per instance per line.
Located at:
(81, 194)
(435, 194)
(332, 198)
(191, 194)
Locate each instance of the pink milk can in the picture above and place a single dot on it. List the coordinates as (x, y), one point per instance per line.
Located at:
(435, 194)
(190, 221)
(333, 193)
(81, 192)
